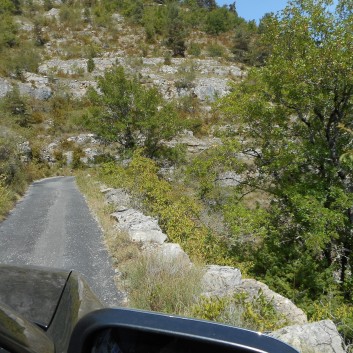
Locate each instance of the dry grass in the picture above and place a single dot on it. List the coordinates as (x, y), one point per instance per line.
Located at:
(6, 200)
(121, 248)
(162, 284)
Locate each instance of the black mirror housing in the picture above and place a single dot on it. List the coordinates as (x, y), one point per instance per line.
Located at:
(127, 330)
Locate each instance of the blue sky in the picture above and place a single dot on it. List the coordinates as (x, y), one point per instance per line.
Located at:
(255, 9)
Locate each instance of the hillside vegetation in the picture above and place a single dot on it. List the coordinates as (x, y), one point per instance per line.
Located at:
(270, 188)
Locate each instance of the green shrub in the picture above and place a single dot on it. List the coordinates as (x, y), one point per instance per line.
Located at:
(218, 21)
(11, 167)
(15, 61)
(90, 65)
(178, 213)
(186, 76)
(215, 50)
(238, 310)
(76, 158)
(168, 58)
(71, 16)
(332, 307)
(8, 32)
(194, 49)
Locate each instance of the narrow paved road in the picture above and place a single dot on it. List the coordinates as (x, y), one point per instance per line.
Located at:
(53, 227)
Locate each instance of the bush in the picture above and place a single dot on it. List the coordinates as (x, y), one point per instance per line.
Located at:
(334, 308)
(194, 49)
(11, 167)
(71, 16)
(178, 213)
(186, 76)
(8, 31)
(215, 50)
(90, 65)
(257, 314)
(76, 158)
(15, 61)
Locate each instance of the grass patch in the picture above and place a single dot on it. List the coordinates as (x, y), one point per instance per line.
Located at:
(121, 248)
(7, 199)
(165, 285)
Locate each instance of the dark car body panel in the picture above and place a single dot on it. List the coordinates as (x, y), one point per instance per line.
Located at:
(19, 335)
(32, 292)
(39, 307)
(77, 300)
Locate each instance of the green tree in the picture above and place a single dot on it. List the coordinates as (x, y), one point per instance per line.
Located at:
(8, 31)
(18, 107)
(290, 113)
(218, 21)
(131, 114)
(176, 32)
(7, 6)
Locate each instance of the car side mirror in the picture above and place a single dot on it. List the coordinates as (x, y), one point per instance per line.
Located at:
(127, 331)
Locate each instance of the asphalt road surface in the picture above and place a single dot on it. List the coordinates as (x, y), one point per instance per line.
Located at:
(53, 227)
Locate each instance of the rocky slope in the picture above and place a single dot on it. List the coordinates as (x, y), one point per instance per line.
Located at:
(64, 68)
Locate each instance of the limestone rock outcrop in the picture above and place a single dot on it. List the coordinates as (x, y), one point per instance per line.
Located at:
(140, 228)
(282, 305)
(316, 337)
(220, 280)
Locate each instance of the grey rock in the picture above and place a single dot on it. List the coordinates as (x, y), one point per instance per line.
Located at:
(68, 67)
(282, 305)
(53, 13)
(229, 178)
(117, 18)
(24, 25)
(5, 87)
(194, 144)
(25, 151)
(168, 252)
(220, 280)
(36, 80)
(79, 88)
(84, 139)
(147, 236)
(167, 69)
(90, 154)
(118, 197)
(41, 93)
(210, 88)
(47, 153)
(316, 337)
(153, 61)
(139, 227)
(69, 156)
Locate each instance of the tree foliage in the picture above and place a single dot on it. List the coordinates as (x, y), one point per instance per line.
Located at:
(176, 33)
(129, 113)
(290, 113)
